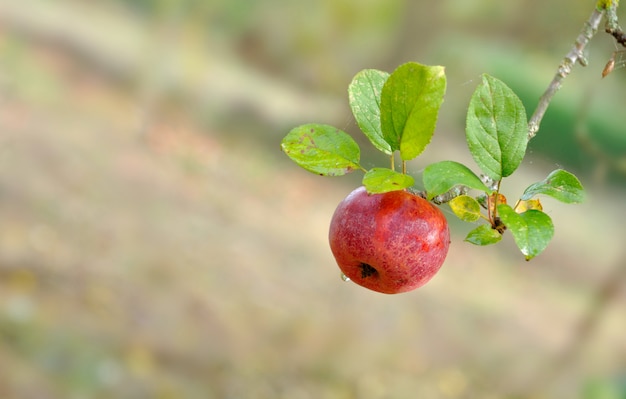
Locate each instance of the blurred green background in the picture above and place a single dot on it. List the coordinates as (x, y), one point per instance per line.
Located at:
(156, 243)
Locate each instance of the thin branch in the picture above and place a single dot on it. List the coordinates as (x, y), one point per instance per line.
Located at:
(612, 26)
(574, 56)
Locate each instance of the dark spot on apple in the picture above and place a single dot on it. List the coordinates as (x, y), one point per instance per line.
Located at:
(367, 271)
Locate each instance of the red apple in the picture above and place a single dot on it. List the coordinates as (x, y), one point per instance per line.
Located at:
(390, 243)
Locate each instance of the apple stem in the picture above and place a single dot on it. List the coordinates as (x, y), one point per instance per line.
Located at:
(494, 216)
(393, 162)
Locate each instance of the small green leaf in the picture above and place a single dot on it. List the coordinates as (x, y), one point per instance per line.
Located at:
(364, 94)
(465, 208)
(483, 235)
(382, 180)
(409, 107)
(442, 176)
(559, 184)
(532, 230)
(496, 128)
(322, 149)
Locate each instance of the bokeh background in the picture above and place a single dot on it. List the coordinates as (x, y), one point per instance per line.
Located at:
(156, 243)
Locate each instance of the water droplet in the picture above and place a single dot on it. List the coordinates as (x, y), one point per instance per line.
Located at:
(344, 277)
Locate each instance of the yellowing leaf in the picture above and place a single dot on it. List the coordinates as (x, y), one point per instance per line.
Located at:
(465, 208)
(525, 205)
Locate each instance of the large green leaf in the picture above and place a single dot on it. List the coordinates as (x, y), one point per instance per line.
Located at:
(559, 184)
(409, 106)
(442, 176)
(322, 149)
(382, 180)
(483, 235)
(496, 128)
(364, 93)
(532, 230)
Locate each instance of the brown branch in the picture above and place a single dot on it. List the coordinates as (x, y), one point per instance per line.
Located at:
(612, 25)
(574, 56)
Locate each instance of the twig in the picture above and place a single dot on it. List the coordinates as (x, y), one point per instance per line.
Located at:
(575, 55)
(612, 26)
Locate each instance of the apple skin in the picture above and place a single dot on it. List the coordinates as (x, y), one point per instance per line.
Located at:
(391, 243)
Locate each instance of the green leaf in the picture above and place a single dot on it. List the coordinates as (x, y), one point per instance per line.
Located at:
(382, 180)
(465, 208)
(322, 149)
(559, 184)
(483, 235)
(364, 93)
(496, 128)
(532, 230)
(409, 106)
(442, 176)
